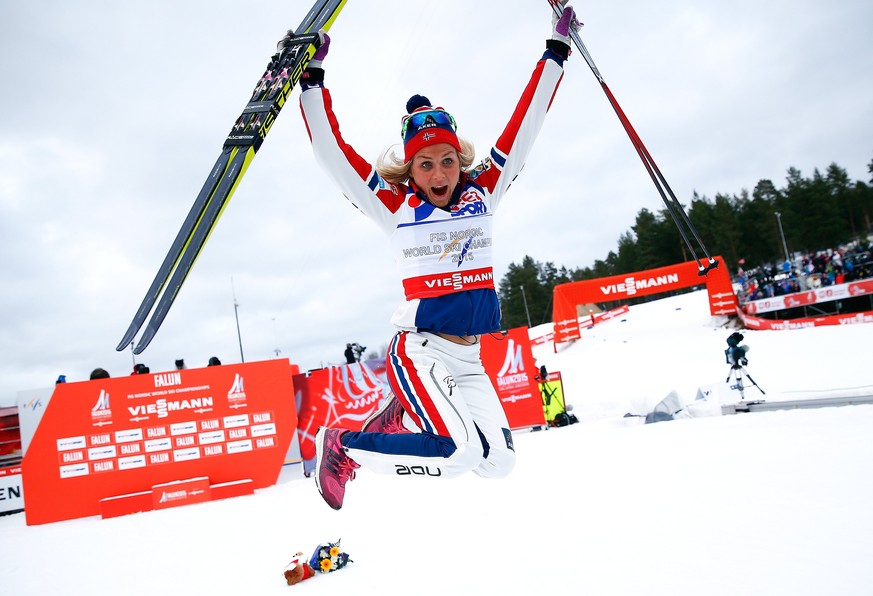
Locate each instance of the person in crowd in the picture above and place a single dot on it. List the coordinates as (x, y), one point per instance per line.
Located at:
(180, 364)
(99, 373)
(429, 193)
(140, 369)
(213, 361)
(350, 354)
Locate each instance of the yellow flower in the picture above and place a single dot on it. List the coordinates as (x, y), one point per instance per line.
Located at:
(334, 551)
(325, 565)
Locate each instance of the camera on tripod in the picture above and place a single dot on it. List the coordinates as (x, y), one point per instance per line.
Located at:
(735, 355)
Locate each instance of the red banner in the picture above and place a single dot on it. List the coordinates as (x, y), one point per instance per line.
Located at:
(781, 325)
(818, 295)
(513, 371)
(339, 397)
(111, 437)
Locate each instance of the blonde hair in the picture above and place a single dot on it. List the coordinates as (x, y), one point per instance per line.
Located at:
(393, 169)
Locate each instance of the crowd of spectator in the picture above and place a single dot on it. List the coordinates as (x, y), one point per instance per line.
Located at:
(138, 369)
(829, 267)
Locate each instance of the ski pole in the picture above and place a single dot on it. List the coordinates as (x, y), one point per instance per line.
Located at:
(680, 217)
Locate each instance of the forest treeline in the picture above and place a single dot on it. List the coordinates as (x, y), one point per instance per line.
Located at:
(815, 213)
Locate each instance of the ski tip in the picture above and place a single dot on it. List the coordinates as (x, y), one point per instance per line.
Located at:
(144, 341)
(127, 340)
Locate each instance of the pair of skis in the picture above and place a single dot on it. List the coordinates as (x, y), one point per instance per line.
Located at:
(293, 53)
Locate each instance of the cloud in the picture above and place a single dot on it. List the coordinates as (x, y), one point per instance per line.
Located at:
(117, 114)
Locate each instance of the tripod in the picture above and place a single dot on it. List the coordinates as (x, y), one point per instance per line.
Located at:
(737, 371)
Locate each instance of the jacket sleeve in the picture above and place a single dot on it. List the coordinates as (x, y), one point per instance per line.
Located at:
(508, 155)
(378, 199)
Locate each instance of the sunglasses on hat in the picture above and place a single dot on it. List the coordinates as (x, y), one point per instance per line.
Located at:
(425, 119)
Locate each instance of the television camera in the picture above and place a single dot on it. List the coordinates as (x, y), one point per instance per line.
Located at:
(358, 350)
(735, 355)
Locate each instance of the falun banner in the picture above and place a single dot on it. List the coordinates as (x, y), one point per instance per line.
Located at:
(107, 438)
(513, 372)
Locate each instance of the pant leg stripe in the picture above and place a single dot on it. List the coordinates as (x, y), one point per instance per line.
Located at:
(424, 398)
(399, 381)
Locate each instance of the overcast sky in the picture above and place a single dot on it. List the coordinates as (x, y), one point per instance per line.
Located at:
(114, 114)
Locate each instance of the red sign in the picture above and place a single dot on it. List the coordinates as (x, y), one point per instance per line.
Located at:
(513, 371)
(338, 397)
(181, 492)
(111, 437)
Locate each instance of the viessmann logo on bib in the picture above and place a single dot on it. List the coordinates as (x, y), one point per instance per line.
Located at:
(440, 284)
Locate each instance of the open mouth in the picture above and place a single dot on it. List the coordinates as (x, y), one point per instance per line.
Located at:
(439, 191)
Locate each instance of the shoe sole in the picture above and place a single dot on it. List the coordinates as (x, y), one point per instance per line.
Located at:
(319, 452)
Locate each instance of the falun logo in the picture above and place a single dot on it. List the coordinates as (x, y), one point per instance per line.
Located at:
(514, 361)
(512, 372)
(176, 495)
(237, 392)
(101, 411)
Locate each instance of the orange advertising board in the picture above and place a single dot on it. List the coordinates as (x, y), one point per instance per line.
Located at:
(110, 437)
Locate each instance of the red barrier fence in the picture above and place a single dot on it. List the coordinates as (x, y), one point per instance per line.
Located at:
(855, 318)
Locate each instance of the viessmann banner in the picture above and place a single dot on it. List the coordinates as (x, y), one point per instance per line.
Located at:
(111, 437)
(568, 297)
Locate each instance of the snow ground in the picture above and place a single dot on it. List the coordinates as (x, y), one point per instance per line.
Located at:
(771, 503)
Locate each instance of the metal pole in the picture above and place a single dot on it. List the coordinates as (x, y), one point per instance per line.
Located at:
(236, 316)
(526, 311)
(782, 235)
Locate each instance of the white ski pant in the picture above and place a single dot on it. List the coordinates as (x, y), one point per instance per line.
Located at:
(446, 392)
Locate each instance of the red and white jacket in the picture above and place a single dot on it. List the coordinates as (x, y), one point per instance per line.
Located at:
(444, 255)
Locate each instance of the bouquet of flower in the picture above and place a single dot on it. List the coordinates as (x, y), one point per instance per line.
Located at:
(327, 558)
